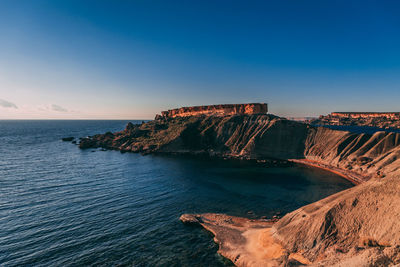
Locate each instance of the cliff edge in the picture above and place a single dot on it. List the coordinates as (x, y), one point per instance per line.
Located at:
(216, 110)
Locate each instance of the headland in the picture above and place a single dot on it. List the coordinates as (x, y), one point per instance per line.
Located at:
(356, 227)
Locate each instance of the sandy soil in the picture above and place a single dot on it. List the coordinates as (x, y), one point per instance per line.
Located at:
(245, 242)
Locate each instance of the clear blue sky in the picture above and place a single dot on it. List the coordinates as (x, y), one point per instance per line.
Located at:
(131, 59)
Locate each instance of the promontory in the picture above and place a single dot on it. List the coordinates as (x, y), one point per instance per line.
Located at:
(356, 227)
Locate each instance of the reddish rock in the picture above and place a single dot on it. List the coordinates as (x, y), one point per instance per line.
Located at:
(216, 110)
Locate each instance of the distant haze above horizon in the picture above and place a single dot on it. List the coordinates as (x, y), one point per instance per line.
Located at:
(132, 59)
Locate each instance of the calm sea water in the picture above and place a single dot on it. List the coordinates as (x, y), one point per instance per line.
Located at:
(62, 206)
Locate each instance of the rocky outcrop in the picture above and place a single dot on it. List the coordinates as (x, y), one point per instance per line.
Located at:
(216, 110)
(239, 136)
(372, 119)
(245, 242)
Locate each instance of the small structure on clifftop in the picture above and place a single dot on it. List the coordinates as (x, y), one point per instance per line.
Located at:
(216, 110)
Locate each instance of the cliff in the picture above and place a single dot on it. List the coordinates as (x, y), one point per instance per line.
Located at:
(216, 110)
(372, 119)
(356, 227)
(259, 137)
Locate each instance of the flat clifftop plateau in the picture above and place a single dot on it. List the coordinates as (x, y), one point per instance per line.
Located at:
(216, 110)
(356, 227)
(372, 119)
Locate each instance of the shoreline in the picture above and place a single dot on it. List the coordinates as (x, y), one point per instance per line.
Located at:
(245, 242)
(352, 177)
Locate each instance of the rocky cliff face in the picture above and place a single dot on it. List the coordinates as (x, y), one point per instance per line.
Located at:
(247, 136)
(217, 110)
(258, 137)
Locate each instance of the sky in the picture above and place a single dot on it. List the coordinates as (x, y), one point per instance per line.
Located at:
(132, 59)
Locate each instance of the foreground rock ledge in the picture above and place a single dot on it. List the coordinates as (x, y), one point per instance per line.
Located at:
(245, 242)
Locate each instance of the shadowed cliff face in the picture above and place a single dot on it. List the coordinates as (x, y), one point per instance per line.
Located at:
(258, 137)
(249, 136)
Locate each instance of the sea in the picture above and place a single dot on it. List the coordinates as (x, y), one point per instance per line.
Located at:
(63, 206)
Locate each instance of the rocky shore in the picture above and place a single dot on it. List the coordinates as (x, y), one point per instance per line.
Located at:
(244, 241)
(357, 227)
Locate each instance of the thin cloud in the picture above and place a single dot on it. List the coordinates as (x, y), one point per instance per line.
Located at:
(7, 104)
(58, 108)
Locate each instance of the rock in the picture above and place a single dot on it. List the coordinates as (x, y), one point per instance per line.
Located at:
(216, 110)
(244, 241)
(88, 142)
(67, 139)
(190, 219)
(365, 216)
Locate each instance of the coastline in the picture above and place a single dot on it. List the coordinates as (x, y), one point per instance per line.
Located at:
(352, 177)
(245, 242)
(324, 231)
(251, 242)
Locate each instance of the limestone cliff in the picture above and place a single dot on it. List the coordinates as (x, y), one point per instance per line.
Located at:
(216, 110)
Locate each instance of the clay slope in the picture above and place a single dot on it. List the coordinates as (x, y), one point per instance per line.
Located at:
(368, 155)
(357, 227)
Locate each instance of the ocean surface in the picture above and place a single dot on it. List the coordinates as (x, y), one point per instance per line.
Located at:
(62, 206)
